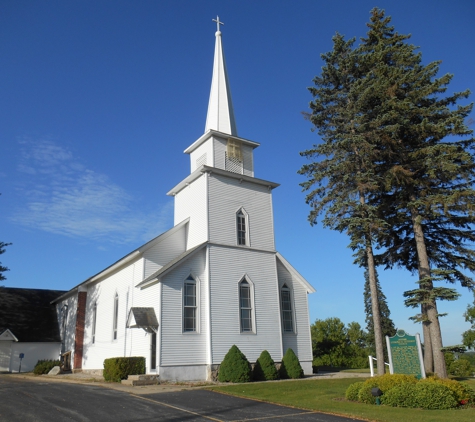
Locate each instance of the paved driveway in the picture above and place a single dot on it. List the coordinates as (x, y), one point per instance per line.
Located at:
(37, 400)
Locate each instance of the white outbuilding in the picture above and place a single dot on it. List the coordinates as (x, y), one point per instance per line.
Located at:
(213, 280)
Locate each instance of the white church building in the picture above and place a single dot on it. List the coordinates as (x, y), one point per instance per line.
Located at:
(213, 280)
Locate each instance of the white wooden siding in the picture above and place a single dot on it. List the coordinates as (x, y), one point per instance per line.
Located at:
(123, 283)
(191, 202)
(227, 267)
(68, 336)
(205, 148)
(226, 196)
(177, 347)
(299, 341)
(219, 146)
(247, 155)
(162, 253)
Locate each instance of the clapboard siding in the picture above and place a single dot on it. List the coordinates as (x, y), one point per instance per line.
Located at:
(226, 196)
(198, 153)
(67, 335)
(219, 145)
(299, 341)
(123, 283)
(248, 162)
(191, 202)
(177, 347)
(165, 251)
(227, 268)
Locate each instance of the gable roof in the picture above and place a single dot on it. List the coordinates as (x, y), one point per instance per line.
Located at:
(132, 256)
(295, 274)
(29, 315)
(155, 277)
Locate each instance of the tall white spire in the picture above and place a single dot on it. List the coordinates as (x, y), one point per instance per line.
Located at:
(220, 108)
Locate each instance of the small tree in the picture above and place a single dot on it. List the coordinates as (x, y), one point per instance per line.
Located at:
(290, 367)
(468, 337)
(264, 369)
(235, 367)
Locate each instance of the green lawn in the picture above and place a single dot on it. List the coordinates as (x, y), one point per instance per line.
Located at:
(328, 395)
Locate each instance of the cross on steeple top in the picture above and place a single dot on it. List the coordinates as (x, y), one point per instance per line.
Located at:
(218, 22)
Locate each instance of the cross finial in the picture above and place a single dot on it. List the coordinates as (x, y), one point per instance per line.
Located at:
(218, 22)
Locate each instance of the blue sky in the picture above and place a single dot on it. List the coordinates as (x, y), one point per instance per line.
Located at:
(98, 100)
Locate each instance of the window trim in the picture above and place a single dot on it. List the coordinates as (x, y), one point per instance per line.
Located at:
(252, 308)
(288, 290)
(115, 318)
(245, 216)
(191, 279)
(94, 322)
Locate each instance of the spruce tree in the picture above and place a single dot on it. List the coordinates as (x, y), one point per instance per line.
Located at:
(342, 173)
(2, 268)
(428, 175)
(387, 324)
(392, 171)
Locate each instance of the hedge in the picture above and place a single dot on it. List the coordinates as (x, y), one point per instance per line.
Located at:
(117, 369)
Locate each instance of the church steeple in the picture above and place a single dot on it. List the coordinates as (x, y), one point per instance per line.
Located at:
(220, 108)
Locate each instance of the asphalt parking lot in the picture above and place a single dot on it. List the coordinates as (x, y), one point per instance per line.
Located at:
(43, 400)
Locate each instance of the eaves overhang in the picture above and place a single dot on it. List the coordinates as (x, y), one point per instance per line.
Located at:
(295, 273)
(218, 134)
(127, 259)
(213, 170)
(157, 275)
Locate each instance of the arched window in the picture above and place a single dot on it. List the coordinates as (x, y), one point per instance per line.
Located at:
(189, 305)
(286, 306)
(116, 316)
(242, 229)
(245, 304)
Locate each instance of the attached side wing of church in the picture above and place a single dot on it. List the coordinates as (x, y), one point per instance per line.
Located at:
(212, 281)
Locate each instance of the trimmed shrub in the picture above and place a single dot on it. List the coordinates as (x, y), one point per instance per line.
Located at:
(235, 367)
(117, 369)
(264, 369)
(385, 383)
(44, 366)
(290, 366)
(353, 390)
(462, 392)
(430, 395)
(403, 395)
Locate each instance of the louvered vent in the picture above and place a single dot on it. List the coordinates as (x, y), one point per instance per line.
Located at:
(234, 164)
(201, 161)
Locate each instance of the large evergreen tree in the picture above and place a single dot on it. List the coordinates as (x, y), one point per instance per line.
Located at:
(343, 174)
(391, 169)
(387, 324)
(428, 174)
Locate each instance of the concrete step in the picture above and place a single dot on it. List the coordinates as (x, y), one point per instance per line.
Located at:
(136, 380)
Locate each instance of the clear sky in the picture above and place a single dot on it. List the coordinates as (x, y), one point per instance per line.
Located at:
(98, 100)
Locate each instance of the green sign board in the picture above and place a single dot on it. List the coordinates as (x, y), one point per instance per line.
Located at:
(405, 354)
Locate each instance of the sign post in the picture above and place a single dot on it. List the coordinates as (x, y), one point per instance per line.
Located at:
(22, 355)
(405, 354)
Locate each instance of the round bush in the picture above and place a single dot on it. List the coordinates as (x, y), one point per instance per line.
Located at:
(462, 392)
(385, 383)
(235, 367)
(430, 395)
(290, 366)
(264, 369)
(353, 390)
(403, 395)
